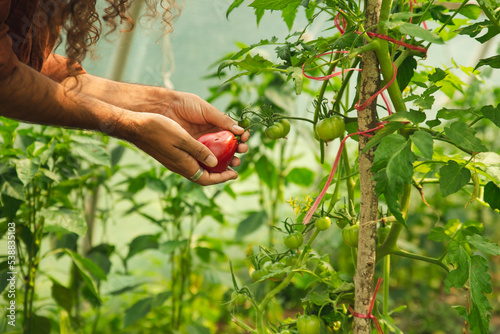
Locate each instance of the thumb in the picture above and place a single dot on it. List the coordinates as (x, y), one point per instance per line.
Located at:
(200, 152)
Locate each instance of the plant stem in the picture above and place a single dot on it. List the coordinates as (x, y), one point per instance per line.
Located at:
(387, 275)
(403, 253)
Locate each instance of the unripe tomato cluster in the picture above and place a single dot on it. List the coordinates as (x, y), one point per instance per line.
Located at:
(329, 128)
(279, 129)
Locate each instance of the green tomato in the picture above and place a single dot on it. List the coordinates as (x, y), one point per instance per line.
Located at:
(292, 260)
(330, 128)
(382, 233)
(350, 235)
(293, 240)
(238, 298)
(341, 223)
(277, 268)
(244, 123)
(257, 275)
(275, 131)
(286, 126)
(323, 223)
(309, 324)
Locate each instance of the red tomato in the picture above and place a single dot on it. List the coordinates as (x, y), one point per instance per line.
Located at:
(223, 145)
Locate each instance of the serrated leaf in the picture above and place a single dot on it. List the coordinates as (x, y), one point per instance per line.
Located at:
(464, 136)
(437, 75)
(493, 62)
(458, 276)
(480, 283)
(453, 177)
(289, 13)
(388, 129)
(448, 114)
(492, 113)
(475, 29)
(492, 195)
(250, 224)
(273, 4)
(235, 4)
(424, 142)
(438, 234)
(483, 244)
(296, 74)
(301, 176)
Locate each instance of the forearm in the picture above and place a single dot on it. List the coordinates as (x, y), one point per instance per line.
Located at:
(29, 96)
(134, 97)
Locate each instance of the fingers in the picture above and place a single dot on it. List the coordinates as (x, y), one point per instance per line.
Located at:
(215, 178)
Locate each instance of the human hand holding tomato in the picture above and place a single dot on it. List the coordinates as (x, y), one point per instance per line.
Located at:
(168, 130)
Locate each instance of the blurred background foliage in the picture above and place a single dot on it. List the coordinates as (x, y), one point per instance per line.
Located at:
(126, 246)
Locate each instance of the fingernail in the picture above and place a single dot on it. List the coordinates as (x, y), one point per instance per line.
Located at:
(238, 128)
(211, 161)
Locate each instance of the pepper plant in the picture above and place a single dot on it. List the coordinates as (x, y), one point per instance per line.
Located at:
(408, 146)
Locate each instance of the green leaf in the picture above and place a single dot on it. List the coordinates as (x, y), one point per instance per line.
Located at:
(492, 195)
(250, 224)
(458, 276)
(64, 220)
(266, 171)
(117, 154)
(141, 308)
(62, 295)
(424, 142)
(197, 329)
(493, 62)
(483, 244)
(235, 4)
(388, 129)
(289, 13)
(143, 242)
(438, 234)
(301, 176)
(26, 169)
(172, 245)
(471, 11)
(273, 4)
(492, 113)
(475, 29)
(13, 187)
(406, 71)
(94, 154)
(437, 75)
(464, 136)
(65, 323)
(415, 117)
(296, 74)
(446, 113)
(81, 265)
(480, 283)
(417, 31)
(453, 177)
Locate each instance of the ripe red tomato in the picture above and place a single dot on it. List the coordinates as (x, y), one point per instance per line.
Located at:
(308, 324)
(293, 240)
(330, 128)
(223, 145)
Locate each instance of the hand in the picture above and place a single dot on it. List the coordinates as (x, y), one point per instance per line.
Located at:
(168, 132)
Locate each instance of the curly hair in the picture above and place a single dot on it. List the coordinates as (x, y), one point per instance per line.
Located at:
(82, 23)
